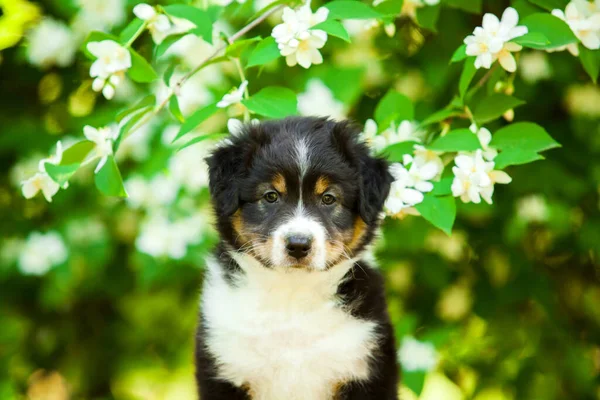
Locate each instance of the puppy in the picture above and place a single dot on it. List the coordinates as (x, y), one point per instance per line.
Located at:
(291, 307)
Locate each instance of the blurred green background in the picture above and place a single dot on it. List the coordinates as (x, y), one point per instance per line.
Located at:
(99, 296)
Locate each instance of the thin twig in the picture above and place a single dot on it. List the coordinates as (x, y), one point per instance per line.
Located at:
(214, 54)
(486, 77)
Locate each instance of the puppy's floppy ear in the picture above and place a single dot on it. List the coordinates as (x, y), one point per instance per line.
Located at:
(375, 182)
(374, 179)
(224, 171)
(228, 165)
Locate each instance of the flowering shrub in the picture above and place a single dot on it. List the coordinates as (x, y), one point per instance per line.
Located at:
(459, 95)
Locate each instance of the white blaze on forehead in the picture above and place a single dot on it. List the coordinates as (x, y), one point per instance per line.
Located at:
(300, 224)
(301, 150)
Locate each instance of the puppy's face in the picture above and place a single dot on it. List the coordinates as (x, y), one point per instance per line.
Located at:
(301, 192)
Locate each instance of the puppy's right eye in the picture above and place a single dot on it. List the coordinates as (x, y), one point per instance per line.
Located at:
(271, 197)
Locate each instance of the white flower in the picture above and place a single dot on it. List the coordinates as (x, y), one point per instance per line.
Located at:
(417, 356)
(53, 159)
(160, 25)
(234, 97)
(533, 208)
(474, 178)
(584, 20)
(161, 190)
(41, 252)
(369, 135)
(405, 132)
(318, 101)
(51, 43)
(485, 138)
(534, 66)
(422, 171)
(296, 41)
(188, 169)
(98, 15)
(103, 138)
(110, 66)
(425, 156)
(402, 194)
(491, 41)
(41, 181)
(160, 237)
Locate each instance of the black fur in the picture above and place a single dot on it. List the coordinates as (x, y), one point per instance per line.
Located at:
(238, 172)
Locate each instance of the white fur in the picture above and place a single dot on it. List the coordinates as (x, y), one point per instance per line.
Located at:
(300, 225)
(282, 333)
(302, 153)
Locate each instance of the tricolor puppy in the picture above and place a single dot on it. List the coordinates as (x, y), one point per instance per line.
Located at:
(291, 307)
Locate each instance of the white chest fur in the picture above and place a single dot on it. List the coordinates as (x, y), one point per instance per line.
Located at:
(282, 333)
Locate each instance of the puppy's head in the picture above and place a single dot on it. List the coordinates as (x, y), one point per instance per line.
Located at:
(300, 192)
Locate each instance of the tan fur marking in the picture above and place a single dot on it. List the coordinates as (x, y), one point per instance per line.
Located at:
(322, 185)
(279, 183)
(238, 226)
(360, 228)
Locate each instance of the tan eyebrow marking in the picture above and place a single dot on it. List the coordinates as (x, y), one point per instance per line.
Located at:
(321, 185)
(278, 183)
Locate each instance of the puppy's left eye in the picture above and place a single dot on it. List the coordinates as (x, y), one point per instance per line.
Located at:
(328, 199)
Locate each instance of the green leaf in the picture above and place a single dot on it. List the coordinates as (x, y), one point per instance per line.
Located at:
(440, 115)
(456, 140)
(390, 8)
(590, 59)
(520, 143)
(147, 101)
(494, 106)
(130, 30)
(236, 49)
(140, 70)
(439, 211)
(394, 106)
(77, 152)
(428, 16)
(170, 40)
(414, 380)
(344, 83)
(334, 28)
(196, 119)
(515, 157)
(175, 110)
(125, 130)
(443, 187)
(533, 40)
(61, 173)
(211, 136)
(553, 28)
(267, 8)
(396, 151)
(472, 6)
(460, 54)
(265, 52)
(96, 36)
(109, 181)
(168, 74)
(551, 4)
(346, 9)
(523, 136)
(467, 75)
(198, 17)
(273, 102)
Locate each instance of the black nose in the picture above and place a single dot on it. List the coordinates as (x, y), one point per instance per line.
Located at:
(298, 246)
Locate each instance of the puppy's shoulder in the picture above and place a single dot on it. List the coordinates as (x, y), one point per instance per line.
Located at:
(362, 291)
